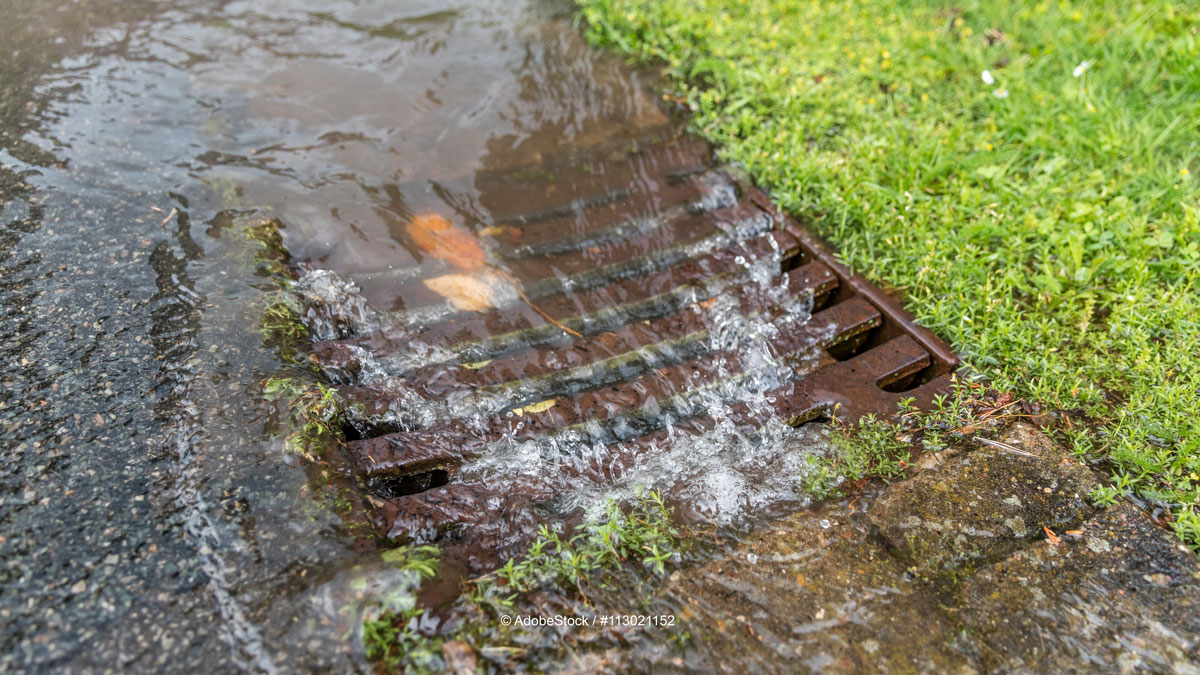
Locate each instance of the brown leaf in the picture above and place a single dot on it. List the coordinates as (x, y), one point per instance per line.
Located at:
(467, 292)
(446, 241)
(460, 657)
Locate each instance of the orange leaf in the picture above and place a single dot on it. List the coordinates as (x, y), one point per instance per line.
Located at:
(467, 292)
(444, 240)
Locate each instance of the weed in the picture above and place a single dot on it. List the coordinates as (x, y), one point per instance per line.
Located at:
(394, 643)
(314, 412)
(879, 448)
(1187, 524)
(644, 535)
(871, 448)
(281, 326)
(271, 257)
(587, 562)
(390, 635)
(1105, 495)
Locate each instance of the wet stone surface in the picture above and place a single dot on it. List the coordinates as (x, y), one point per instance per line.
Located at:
(984, 504)
(1121, 595)
(810, 593)
(842, 589)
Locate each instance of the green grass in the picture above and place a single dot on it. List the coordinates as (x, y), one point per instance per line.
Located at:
(1046, 224)
(871, 448)
(601, 545)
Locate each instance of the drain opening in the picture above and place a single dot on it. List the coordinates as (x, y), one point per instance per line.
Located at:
(389, 488)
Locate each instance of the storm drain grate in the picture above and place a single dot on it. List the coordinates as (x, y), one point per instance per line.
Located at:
(630, 253)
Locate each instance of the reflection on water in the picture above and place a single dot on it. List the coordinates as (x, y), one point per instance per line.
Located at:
(149, 521)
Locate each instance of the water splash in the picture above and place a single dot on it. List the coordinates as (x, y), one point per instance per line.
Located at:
(332, 307)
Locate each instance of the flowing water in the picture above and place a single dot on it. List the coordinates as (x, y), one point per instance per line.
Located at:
(150, 518)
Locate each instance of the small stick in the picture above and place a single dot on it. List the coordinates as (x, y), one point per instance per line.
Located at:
(971, 427)
(517, 285)
(997, 410)
(1005, 446)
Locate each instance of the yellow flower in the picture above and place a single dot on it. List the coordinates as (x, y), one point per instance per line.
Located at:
(1184, 172)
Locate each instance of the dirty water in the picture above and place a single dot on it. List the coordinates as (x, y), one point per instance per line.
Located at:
(150, 518)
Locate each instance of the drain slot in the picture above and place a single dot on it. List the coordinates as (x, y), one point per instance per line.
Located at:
(390, 488)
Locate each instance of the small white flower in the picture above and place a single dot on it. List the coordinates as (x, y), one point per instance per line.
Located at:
(987, 77)
(1081, 68)
(1000, 92)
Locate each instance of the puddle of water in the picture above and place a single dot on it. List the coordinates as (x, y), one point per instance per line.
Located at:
(149, 520)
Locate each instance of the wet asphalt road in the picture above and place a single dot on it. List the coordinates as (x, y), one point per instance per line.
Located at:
(123, 345)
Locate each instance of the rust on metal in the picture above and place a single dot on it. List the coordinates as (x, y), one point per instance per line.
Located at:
(630, 254)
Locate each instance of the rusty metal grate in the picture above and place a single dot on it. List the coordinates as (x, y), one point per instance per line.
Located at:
(664, 231)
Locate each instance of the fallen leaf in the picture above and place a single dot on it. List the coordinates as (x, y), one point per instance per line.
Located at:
(446, 241)
(476, 365)
(496, 230)
(467, 292)
(535, 407)
(460, 657)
